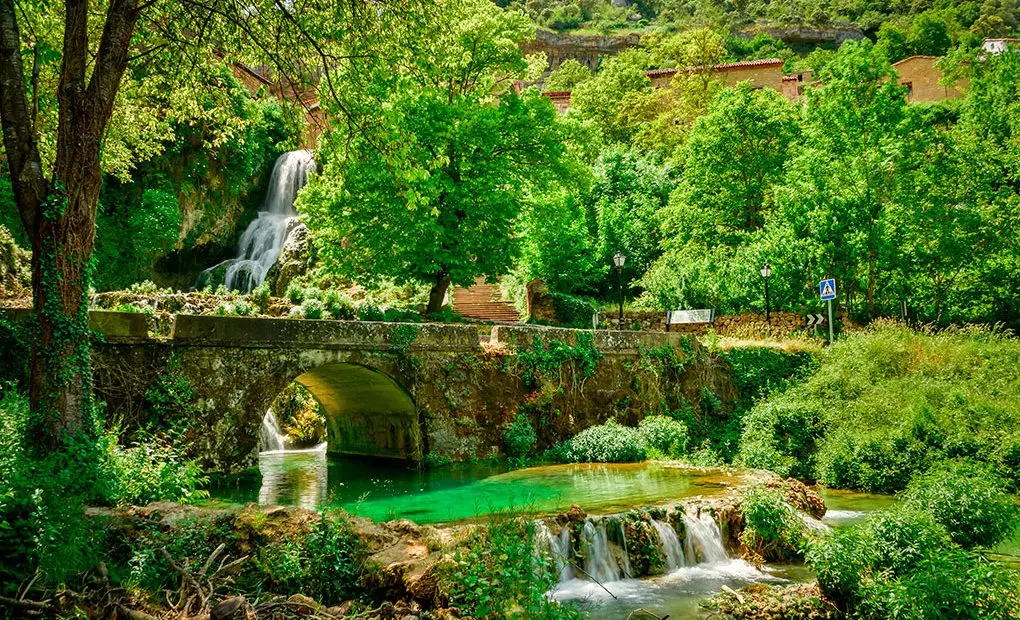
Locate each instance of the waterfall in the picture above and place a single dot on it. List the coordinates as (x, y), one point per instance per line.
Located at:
(598, 557)
(271, 437)
(704, 540)
(264, 238)
(557, 546)
(671, 546)
(607, 561)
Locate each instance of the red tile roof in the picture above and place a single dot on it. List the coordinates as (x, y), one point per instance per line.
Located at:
(765, 62)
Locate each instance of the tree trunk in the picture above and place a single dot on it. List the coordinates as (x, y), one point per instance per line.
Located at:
(60, 217)
(437, 294)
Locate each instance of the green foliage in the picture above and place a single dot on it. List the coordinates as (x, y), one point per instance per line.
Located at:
(542, 363)
(339, 305)
(888, 403)
(664, 434)
(42, 520)
(369, 312)
(903, 564)
(519, 438)
(967, 500)
(14, 365)
(312, 308)
(334, 555)
(498, 575)
(572, 311)
(295, 293)
(260, 296)
(607, 443)
(465, 161)
(772, 531)
(569, 74)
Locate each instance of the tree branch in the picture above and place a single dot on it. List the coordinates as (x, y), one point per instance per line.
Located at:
(19, 138)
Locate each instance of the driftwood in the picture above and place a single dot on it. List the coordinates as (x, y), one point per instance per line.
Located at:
(197, 589)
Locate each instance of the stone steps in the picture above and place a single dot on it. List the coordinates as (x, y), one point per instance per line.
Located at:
(482, 302)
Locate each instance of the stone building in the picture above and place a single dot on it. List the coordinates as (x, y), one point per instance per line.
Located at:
(923, 80)
(767, 73)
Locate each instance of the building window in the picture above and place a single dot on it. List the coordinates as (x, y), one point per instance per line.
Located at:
(910, 88)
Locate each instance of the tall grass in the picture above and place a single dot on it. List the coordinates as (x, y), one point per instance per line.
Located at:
(891, 402)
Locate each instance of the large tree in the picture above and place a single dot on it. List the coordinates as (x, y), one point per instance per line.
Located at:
(56, 170)
(433, 190)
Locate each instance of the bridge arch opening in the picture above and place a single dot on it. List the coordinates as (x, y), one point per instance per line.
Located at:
(367, 413)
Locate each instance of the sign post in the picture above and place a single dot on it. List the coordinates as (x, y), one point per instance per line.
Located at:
(827, 292)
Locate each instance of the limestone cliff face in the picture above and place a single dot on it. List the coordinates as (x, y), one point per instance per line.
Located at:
(586, 49)
(804, 35)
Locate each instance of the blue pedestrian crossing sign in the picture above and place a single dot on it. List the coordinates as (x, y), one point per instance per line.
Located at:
(827, 289)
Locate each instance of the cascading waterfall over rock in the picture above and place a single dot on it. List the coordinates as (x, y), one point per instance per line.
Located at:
(262, 241)
(271, 438)
(686, 540)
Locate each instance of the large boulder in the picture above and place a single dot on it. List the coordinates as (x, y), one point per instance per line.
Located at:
(295, 259)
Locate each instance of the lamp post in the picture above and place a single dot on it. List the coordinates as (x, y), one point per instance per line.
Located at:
(766, 272)
(619, 259)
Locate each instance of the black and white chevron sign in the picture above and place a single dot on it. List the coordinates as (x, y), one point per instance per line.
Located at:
(814, 320)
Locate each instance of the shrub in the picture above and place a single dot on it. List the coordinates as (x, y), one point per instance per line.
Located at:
(888, 403)
(312, 308)
(369, 312)
(772, 531)
(339, 306)
(968, 500)
(311, 292)
(243, 308)
(295, 294)
(607, 443)
(260, 296)
(498, 575)
(664, 434)
(903, 564)
(519, 437)
(572, 311)
(335, 555)
(150, 470)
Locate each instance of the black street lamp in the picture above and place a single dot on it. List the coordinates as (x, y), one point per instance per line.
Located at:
(766, 271)
(619, 259)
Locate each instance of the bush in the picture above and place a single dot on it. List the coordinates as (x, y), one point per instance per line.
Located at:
(519, 437)
(335, 556)
(369, 312)
(260, 296)
(243, 308)
(607, 443)
(664, 434)
(967, 500)
(888, 403)
(772, 531)
(572, 311)
(339, 306)
(498, 575)
(295, 294)
(903, 564)
(312, 308)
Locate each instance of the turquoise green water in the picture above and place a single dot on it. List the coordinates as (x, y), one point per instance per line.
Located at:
(383, 491)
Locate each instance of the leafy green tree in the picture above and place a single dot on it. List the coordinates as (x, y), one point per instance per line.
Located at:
(569, 74)
(892, 41)
(433, 190)
(929, 35)
(612, 100)
(733, 156)
(839, 185)
(628, 191)
(96, 87)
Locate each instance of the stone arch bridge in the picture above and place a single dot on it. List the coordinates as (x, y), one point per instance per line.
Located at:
(395, 390)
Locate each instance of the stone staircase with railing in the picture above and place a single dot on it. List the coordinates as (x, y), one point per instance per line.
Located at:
(482, 302)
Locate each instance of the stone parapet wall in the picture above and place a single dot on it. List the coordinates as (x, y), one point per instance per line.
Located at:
(737, 325)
